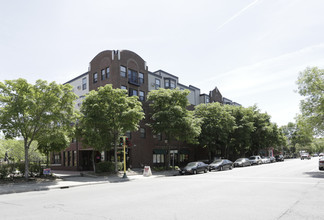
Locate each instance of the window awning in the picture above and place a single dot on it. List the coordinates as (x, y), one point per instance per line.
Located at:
(159, 151)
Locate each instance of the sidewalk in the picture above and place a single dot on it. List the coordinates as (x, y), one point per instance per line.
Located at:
(68, 179)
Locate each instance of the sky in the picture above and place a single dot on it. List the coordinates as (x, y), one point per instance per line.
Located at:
(251, 50)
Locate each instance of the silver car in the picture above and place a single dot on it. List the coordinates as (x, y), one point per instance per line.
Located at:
(321, 163)
(255, 160)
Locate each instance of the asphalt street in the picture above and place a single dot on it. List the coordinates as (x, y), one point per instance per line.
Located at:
(292, 189)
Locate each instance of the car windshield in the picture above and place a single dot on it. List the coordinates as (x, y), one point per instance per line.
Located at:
(217, 161)
(239, 160)
(252, 158)
(192, 164)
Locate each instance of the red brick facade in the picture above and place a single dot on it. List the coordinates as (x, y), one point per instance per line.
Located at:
(146, 150)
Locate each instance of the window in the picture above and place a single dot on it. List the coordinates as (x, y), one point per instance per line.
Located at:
(64, 159)
(157, 83)
(159, 136)
(132, 77)
(123, 87)
(172, 84)
(207, 99)
(95, 77)
(123, 71)
(140, 78)
(158, 158)
(143, 132)
(141, 96)
(84, 83)
(57, 158)
(69, 158)
(169, 84)
(184, 157)
(107, 72)
(132, 92)
(129, 134)
(103, 74)
(74, 158)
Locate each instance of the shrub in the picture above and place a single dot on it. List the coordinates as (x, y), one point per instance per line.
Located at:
(104, 166)
(4, 171)
(35, 169)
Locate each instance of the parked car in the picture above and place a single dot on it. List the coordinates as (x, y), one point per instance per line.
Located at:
(305, 156)
(242, 162)
(221, 164)
(272, 159)
(321, 163)
(194, 168)
(279, 158)
(255, 160)
(265, 159)
(321, 155)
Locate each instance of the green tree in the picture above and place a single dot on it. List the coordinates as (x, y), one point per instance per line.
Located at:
(240, 138)
(28, 110)
(311, 85)
(299, 135)
(106, 115)
(53, 140)
(217, 125)
(169, 115)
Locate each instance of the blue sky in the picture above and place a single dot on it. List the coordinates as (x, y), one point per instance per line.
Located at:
(251, 50)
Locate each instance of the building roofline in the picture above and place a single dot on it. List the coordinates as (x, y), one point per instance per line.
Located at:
(154, 74)
(82, 75)
(193, 87)
(165, 73)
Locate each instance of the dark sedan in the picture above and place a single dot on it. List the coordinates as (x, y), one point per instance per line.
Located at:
(242, 162)
(279, 158)
(194, 168)
(221, 164)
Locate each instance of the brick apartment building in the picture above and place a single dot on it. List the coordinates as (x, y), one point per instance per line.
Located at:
(127, 70)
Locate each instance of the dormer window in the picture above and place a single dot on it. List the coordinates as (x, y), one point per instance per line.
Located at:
(169, 83)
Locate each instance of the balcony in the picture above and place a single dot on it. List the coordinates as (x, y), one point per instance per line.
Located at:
(134, 80)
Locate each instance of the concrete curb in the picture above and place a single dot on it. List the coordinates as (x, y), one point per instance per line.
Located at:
(71, 181)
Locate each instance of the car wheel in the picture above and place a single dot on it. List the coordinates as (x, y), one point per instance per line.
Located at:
(195, 172)
(230, 167)
(205, 171)
(221, 168)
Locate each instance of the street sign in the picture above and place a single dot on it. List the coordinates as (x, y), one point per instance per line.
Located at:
(47, 171)
(147, 171)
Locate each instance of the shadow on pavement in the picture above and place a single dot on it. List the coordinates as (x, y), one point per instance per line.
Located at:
(316, 174)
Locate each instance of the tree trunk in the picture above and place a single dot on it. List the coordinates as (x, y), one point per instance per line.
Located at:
(26, 159)
(115, 153)
(47, 159)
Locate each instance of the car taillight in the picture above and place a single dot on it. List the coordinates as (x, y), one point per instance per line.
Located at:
(321, 161)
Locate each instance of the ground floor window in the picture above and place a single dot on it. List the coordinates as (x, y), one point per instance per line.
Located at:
(57, 158)
(158, 158)
(69, 158)
(74, 158)
(184, 157)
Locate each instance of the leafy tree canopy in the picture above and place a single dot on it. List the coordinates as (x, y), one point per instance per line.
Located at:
(171, 116)
(107, 114)
(29, 111)
(311, 85)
